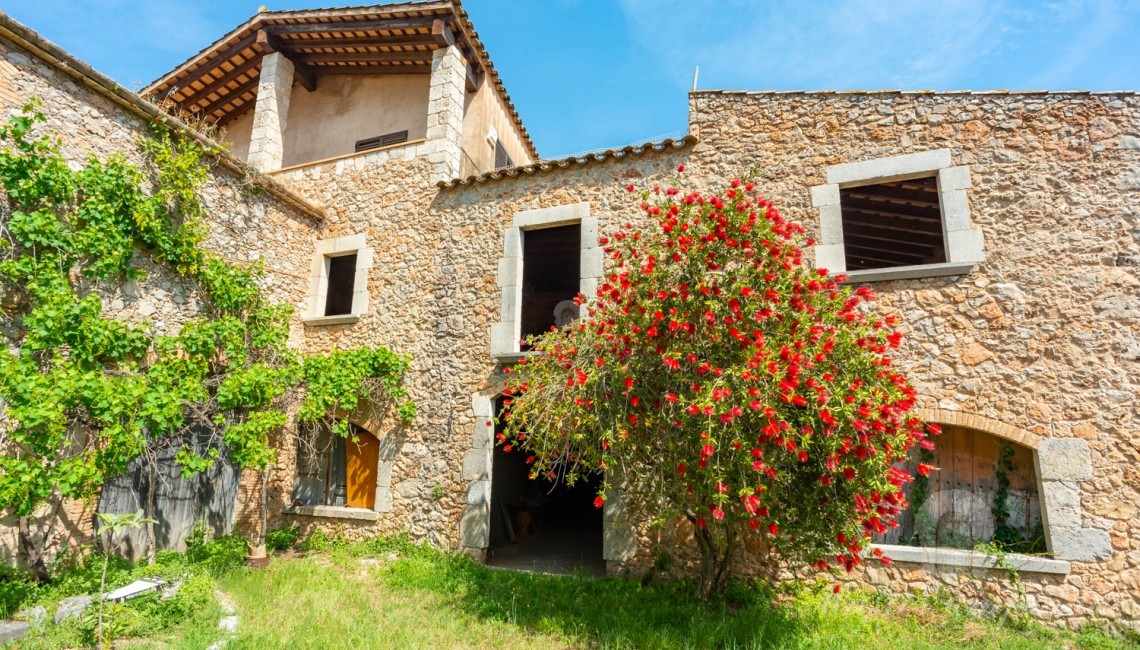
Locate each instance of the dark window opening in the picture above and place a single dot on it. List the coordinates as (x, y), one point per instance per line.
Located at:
(502, 160)
(386, 140)
(551, 260)
(959, 505)
(335, 471)
(542, 524)
(892, 224)
(342, 278)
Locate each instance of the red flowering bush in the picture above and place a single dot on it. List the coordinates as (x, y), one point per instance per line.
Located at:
(719, 380)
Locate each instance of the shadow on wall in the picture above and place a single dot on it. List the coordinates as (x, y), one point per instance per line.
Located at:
(179, 504)
(70, 524)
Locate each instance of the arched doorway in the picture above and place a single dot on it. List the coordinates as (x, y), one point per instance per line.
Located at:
(541, 524)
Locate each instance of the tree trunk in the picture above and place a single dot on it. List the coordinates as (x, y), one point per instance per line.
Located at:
(152, 477)
(716, 562)
(33, 552)
(264, 507)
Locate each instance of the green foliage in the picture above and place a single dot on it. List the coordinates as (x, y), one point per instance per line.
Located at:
(84, 393)
(282, 538)
(191, 609)
(219, 556)
(1006, 537)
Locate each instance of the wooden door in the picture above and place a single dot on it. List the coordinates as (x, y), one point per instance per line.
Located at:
(362, 458)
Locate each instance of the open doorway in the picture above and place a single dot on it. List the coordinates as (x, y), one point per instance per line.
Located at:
(542, 525)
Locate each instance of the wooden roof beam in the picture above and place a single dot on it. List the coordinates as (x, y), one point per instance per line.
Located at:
(374, 69)
(472, 78)
(302, 73)
(222, 82)
(346, 42)
(441, 33)
(365, 57)
(203, 70)
(228, 98)
(854, 249)
(421, 22)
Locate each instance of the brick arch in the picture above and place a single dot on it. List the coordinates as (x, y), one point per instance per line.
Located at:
(981, 423)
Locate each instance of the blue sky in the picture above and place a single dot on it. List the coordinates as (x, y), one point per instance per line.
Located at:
(587, 74)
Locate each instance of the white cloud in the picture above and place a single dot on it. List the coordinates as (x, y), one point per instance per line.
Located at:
(852, 44)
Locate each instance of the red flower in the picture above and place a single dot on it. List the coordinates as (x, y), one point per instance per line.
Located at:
(773, 528)
(629, 382)
(599, 362)
(599, 501)
(681, 167)
(924, 469)
(836, 588)
(707, 451)
(681, 468)
(717, 514)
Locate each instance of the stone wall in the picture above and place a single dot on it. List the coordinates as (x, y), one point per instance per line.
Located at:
(1041, 336)
(434, 294)
(247, 222)
(1036, 343)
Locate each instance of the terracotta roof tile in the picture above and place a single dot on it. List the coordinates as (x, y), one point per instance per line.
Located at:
(543, 166)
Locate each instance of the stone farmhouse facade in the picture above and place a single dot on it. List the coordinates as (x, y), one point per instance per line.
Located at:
(398, 200)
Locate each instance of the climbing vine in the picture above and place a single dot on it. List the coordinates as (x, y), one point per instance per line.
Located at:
(83, 393)
(1007, 536)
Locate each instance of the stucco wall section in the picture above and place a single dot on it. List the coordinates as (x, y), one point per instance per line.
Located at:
(246, 225)
(346, 108)
(236, 134)
(484, 111)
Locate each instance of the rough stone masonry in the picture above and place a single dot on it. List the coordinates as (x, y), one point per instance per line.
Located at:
(1036, 341)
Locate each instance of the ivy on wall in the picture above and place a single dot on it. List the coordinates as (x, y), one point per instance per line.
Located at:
(83, 393)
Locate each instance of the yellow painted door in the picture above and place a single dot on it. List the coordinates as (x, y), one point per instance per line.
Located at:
(362, 458)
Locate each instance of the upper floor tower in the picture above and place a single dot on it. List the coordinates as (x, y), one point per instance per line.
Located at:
(295, 87)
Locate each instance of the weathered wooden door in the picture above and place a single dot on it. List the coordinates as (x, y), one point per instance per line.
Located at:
(362, 458)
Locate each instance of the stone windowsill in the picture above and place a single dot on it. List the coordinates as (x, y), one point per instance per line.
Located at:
(333, 512)
(959, 557)
(909, 272)
(513, 357)
(319, 321)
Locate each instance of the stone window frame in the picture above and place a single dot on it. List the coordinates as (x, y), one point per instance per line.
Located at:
(1061, 465)
(319, 280)
(965, 245)
(389, 444)
(505, 334)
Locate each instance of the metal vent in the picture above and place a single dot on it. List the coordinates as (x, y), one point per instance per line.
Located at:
(386, 140)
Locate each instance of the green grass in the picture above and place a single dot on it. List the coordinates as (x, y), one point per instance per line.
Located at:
(429, 600)
(389, 593)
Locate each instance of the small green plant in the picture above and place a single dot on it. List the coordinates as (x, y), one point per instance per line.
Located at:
(112, 525)
(283, 538)
(437, 492)
(199, 535)
(1017, 616)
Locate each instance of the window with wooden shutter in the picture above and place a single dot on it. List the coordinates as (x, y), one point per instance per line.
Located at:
(386, 140)
(502, 160)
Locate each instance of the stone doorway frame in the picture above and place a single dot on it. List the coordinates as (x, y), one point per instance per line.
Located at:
(618, 543)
